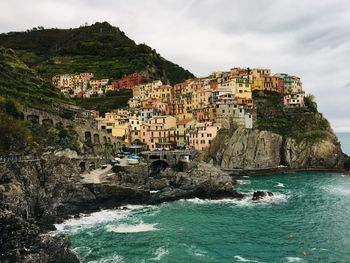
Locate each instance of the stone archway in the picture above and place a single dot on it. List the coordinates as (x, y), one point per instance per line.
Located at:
(47, 122)
(92, 166)
(82, 166)
(33, 119)
(157, 166)
(88, 137)
(96, 138)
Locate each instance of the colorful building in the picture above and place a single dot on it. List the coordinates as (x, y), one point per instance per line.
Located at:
(202, 135)
(159, 132)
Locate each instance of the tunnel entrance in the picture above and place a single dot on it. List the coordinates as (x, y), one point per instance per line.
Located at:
(157, 166)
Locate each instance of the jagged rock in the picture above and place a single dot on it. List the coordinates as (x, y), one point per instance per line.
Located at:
(258, 195)
(325, 154)
(251, 149)
(255, 149)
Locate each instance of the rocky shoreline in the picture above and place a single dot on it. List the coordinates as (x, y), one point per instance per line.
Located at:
(37, 195)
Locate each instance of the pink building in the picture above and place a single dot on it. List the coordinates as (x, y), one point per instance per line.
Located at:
(201, 137)
(294, 100)
(159, 132)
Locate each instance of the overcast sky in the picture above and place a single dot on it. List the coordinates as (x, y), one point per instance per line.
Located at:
(308, 38)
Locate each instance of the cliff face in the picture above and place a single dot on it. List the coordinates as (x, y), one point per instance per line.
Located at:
(31, 194)
(324, 154)
(249, 149)
(256, 149)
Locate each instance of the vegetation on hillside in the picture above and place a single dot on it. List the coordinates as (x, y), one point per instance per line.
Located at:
(100, 48)
(20, 82)
(109, 102)
(299, 123)
(21, 136)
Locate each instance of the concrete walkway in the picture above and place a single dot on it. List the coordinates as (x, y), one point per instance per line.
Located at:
(94, 177)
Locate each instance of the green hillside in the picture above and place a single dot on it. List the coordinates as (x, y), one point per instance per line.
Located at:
(100, 48)
(19, 82)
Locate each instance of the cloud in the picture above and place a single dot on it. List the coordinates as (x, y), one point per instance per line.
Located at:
(298, 37)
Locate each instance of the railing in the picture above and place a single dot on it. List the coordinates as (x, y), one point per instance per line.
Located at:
(18, 158)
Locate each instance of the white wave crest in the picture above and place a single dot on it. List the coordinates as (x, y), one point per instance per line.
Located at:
(294, 259)
(82, 252)
(159, 254)
(111, 259)
(124, 228)
(246, 201)
(243, 182)
(74, 225)
(242, 259)
(280, 185)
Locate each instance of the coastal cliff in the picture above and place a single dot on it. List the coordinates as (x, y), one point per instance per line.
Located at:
(35, 195)
(261, 149)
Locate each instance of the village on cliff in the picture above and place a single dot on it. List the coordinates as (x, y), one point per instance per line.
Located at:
(187, 115)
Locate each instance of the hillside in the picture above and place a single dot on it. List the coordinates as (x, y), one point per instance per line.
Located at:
(19, 82)
(100, 48)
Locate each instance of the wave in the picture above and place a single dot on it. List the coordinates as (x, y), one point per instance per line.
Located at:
(75, 225)
(114, 258)
(246, 201)
(159, 254)
(124, 228)
(294, 259)
(243, 182)
(340, 190)
(82, 252)
(280, 185)
(242, 259)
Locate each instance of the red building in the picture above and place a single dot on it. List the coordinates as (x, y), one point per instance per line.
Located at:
(129, 81)
(277, 84)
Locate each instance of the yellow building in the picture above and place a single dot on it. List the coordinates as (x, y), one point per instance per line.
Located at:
(121, 131)
(258, 84)
(182, 127)
(243, 88)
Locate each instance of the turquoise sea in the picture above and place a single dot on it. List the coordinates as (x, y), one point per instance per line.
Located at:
(307, 220)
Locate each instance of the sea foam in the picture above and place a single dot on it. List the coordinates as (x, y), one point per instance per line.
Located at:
(245, 201)
(75, 225)
(280, 185)
(294, 259)
(243, 182)
(242, 259)
(124, 228)
(159, 254)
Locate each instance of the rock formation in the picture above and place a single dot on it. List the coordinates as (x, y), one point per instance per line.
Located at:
(35, 195)
(256, 149)
(258, 195)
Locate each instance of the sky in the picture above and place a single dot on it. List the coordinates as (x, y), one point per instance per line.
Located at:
(308, 38)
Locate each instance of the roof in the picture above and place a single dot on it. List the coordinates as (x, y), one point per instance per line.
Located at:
(184, 121)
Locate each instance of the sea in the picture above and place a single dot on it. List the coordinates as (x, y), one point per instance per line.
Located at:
(307, 220)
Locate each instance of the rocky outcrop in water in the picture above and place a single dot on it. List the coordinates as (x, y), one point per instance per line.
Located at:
(256, 149)
(258, 195)
(202, 181)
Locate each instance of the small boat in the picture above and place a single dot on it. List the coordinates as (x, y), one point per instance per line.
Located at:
(133, 159)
